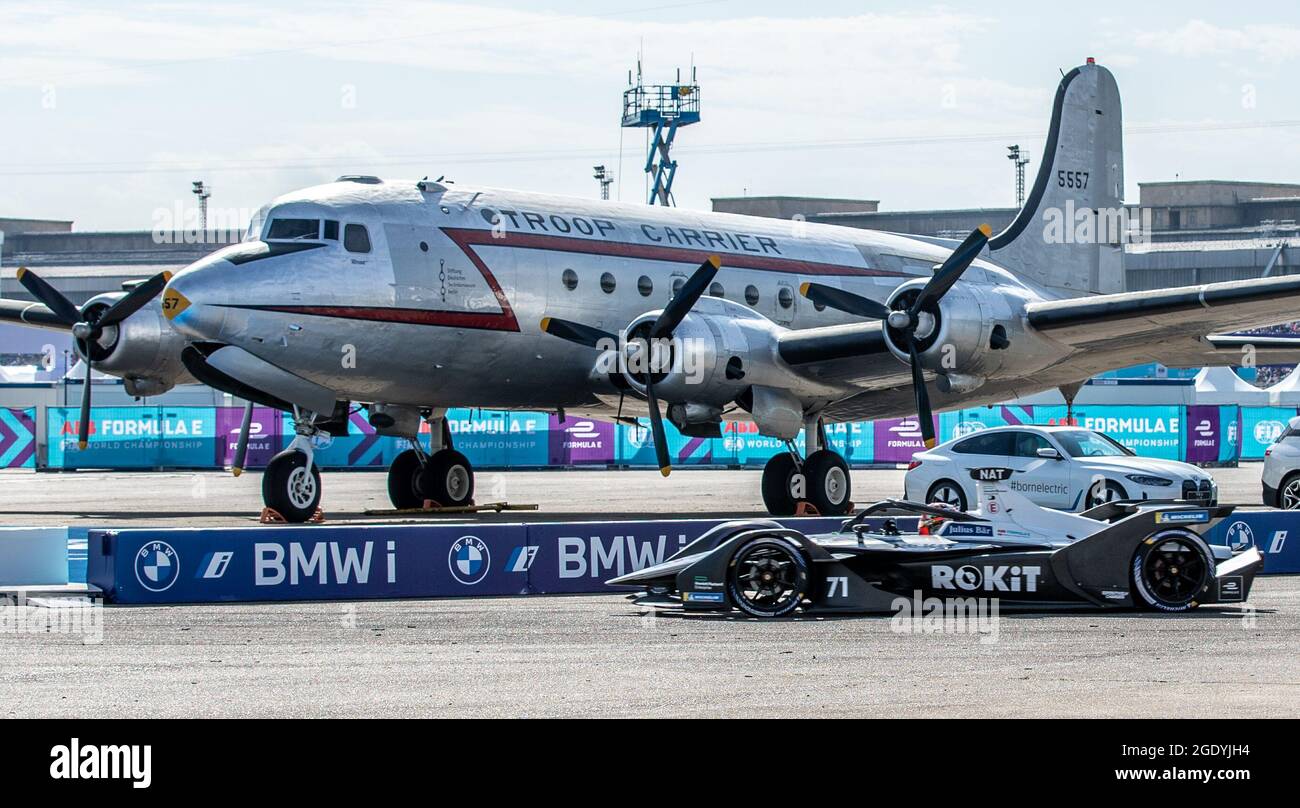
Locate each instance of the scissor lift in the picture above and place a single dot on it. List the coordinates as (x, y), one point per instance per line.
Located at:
(663, 108)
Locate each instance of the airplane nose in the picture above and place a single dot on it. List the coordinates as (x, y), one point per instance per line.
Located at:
(188, 301)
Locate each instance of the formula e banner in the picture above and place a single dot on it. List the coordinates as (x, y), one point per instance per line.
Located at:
(134, 437)
(1150, 431)
(17, 438)
(1211, 434)
(265, 436)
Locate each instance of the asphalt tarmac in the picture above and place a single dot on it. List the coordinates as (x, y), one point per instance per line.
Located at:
(599, 655)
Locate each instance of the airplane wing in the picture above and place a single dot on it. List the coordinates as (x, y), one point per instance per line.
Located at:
(30, 314)
(1175, 327)
(853, 354)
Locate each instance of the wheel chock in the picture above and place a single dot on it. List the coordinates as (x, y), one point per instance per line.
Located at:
(270, 516)
(806, 509)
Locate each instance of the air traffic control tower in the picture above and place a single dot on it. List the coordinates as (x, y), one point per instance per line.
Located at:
(662, 108)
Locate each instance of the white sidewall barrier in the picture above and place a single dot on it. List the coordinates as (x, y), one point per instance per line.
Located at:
(33, 556)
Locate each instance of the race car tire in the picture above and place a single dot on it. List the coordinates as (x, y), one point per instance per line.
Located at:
(1288, 493)
(778, 479)
(767, 577)
(1099, 495)
(947, 492)
(1171, 569)
(829, 484)
(402, 478)
(447, 479)
(291, 489)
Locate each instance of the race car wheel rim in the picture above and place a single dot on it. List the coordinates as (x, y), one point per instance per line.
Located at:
(1174, 571)
(1291, 495)
(768, 580)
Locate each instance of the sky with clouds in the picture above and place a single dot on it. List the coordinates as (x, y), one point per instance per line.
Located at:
(111, 109)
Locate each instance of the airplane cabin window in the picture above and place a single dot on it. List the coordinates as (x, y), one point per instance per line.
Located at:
(293, 229)
(785, 297)
(751, 295)
(645, 286)
(716, 290)
(570, 279)
(607, 283)
(331, 230)
(356, 239)
(677, 285)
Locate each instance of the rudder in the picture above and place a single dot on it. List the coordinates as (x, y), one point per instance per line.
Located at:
(1081, 177)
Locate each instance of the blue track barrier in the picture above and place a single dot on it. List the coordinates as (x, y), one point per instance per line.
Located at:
(436, 561)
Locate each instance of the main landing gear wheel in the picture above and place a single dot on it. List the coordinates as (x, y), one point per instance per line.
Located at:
(290, 488)
(828, 482)
(779, 483)
(403, 476)
(767, 578)
(447, 479)
(1170, 571)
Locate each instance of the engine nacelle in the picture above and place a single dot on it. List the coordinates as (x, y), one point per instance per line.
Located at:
(717, 353)
(144, 350)
(964, 337)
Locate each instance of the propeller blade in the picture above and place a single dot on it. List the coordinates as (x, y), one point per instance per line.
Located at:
(657, 431)
(923, 412)
(53, 299)
(846, 302)
(948, 273)
(134, 300)
(83, 424)
(685, 300)
(576, 332)
(241, 447)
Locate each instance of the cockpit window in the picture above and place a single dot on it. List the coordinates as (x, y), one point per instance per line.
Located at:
(293, 229)
(356, 239)
(256, 224)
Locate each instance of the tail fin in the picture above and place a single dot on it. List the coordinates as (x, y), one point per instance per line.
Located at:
(1066, 236)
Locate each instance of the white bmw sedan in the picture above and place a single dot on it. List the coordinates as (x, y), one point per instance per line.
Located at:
(1061, 467)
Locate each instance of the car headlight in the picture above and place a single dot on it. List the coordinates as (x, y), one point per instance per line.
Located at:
(1150, 480)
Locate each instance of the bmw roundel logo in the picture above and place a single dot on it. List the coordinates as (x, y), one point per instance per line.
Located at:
(469, 560)
(1240, 536)
(157, 566)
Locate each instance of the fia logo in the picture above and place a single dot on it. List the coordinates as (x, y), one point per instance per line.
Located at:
(157, 566)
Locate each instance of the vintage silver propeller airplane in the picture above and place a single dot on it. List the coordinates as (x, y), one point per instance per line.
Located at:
(415, 297)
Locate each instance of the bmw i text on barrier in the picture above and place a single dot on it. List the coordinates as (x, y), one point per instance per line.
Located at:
(1143, 554)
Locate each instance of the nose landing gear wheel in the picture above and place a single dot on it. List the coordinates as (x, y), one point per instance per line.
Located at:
(447, 479)
(290, 488)
(1171, 570)
(767, 578)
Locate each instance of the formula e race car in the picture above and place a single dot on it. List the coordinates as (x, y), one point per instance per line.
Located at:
(1145, 554)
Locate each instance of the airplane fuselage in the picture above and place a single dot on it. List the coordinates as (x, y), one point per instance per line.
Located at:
(456, 280)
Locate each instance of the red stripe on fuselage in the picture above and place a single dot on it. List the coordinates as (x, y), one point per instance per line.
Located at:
(468, 238)
(652, 252)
